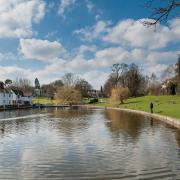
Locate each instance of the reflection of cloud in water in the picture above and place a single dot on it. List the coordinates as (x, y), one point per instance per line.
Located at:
(96, 142)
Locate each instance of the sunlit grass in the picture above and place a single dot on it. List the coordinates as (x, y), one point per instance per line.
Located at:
(164, 105)
(43, 100)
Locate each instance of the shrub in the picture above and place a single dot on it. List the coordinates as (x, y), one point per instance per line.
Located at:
(119, 94)
(93, 100)
(68, 95)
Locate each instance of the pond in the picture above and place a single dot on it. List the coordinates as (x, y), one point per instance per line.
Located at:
(86, 144)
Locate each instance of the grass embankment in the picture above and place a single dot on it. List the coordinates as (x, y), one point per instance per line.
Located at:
(43, 100)
(163, 105)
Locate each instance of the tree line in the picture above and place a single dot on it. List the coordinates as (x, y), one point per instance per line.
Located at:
(128, 81)
(125, 80)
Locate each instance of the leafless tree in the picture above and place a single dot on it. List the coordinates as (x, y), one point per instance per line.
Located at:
(109, 84)
(23, 84)
(177, 69)
(69, 79)
(83, 86)
(117, 71)
(161, 13)
(49, 90)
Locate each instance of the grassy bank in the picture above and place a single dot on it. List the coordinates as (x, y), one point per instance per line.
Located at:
(163, 105)
(43, 100)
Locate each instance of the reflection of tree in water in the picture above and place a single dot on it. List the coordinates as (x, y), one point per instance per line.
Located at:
(177, 136)
(71, 120)
(121, 122)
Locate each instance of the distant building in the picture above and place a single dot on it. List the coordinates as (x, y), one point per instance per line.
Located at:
(9, 97)
(21, 99)
(93, 93)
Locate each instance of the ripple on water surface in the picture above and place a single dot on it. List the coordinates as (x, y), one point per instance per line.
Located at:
(86, 144)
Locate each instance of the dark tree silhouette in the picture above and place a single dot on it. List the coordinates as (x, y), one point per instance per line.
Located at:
(161, 13)
(8, 82)
(37, 84)
(177, 70)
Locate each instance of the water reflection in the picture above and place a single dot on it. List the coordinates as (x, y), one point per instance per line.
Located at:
(177, 136)
(86, 144)
(120, 122)
(69, 121)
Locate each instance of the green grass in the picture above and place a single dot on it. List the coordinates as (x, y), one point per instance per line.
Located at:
(43, 100)
(164, 105)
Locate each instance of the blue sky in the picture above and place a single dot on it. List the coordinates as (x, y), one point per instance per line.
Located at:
(47, 38)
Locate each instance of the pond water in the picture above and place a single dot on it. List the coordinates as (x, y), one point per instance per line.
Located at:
(86, 144)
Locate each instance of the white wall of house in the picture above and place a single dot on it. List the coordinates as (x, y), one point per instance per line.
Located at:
(10, 98)
(24, 99)
(6, 98)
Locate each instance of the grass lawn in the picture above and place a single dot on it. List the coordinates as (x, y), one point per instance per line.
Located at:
(43, 100)
(164, 105)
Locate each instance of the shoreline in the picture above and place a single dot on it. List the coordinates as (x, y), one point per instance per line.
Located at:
(167, 119)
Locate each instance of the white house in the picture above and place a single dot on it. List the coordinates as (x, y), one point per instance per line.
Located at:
(13, 97)
(5, 97)
(20, 98)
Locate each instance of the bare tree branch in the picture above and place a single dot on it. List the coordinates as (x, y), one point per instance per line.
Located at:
(161, 14)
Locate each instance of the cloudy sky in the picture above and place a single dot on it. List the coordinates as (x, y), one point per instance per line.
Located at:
(47, 38)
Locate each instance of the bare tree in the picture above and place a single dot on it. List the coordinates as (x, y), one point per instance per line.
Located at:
(177, 69)
(169, 72)
(49, 90)
(135, 80)
(69, 79)
(109, 84)
(83, 86)
(161, 13)
(23, 84)
(117, 71)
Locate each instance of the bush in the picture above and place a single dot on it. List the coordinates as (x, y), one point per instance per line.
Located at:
(119, 94)
(93, 100)
(68, 95)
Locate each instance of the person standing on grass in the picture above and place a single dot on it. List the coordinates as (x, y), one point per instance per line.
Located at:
(151, 107)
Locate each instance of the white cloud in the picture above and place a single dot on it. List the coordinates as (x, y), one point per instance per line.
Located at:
(90, 6)
(64, 5)
(96, 78)
(168, 57)
(8, 56)
(13, 72)
(134, 34)
(42, 50)
(93, 70)
(94, 32)
(17, 17)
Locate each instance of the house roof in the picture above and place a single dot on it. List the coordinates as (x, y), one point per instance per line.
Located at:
(18, 92)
